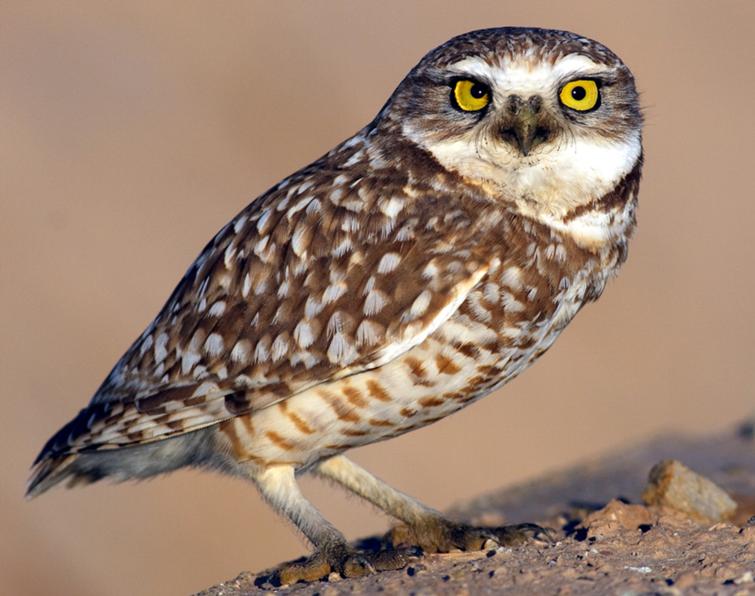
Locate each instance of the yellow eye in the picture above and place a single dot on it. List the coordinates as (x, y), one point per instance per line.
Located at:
(470, 96)
(582, 95)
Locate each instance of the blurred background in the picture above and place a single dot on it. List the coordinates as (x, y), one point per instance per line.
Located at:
(130, 131)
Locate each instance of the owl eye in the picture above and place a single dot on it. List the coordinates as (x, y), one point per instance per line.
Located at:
(581, 95)
(470, 96)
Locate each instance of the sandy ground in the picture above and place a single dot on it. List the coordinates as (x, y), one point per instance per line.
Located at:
(608, 542)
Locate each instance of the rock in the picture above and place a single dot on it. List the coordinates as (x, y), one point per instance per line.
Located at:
(617, 517)
(672, 484)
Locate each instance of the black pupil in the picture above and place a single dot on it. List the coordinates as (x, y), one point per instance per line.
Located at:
(578, 93)
(478, 91)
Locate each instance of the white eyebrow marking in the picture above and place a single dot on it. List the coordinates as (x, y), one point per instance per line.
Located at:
(526, 75)
(577, 63)
(474, 66)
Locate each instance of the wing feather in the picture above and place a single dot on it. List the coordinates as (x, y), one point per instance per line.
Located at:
(324, 276)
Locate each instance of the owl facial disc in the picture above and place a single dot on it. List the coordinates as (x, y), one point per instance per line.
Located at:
(546, 120)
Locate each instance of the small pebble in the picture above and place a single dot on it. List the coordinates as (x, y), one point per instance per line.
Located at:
(644, 569)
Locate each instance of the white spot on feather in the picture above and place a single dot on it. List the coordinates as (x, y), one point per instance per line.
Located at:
(341, 350)
(161, 350)
(188, 360)
(238, 225)
(354, 159)
(260, 246)
(262, 350)
(230, 251)
(512, 278)
(561, 253)
(350, 224)
(262, 221)
(280, 347)
(374, 302)
(146, 345)
(511, 304)
(344, 246)
(312, 307)
(298, 206)
(241, 351)
(213, 345)
(304, 334)
(335, 324)
(430, 271)
(217, 309)
(392, 207)
(369, 285)
(333, 292)
(298, 240)
(419, 306)
(490, 291)
(389, 262)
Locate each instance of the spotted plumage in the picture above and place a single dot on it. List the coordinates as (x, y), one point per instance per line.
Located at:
(412, 269)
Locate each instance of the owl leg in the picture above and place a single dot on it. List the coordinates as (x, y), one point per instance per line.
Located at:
(332, 553)
(345, 472)
(425, 527)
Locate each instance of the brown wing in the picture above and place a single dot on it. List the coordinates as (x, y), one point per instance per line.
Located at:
(326, 275)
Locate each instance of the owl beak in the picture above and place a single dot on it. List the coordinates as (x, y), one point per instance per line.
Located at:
(525, 126)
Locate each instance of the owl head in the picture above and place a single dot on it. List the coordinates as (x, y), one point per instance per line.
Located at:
(547, 120)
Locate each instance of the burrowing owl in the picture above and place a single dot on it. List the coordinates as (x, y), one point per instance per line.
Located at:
(414, 268)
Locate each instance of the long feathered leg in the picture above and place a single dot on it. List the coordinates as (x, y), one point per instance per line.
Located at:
(332, 553)
(356, 479)
(425, 527)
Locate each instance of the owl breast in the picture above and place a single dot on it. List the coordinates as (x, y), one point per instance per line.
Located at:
(508, 320)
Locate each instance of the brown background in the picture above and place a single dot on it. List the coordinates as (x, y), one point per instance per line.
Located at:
(131, 131)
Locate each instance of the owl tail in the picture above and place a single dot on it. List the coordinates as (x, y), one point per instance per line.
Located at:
(55, 469)
(48, 472)
(59, 460)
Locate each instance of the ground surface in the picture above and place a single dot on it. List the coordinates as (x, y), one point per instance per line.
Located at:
(607, 542)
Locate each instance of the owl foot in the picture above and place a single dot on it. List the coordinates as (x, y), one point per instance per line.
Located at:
(442, 536)
(339, 558)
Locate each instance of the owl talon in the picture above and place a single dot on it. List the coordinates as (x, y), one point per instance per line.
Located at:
(444, 536)
(516, 534)
(345, 561)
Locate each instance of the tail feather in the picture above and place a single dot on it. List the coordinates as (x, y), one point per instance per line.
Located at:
(49, 471)
(55, 462)
(77, 451)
